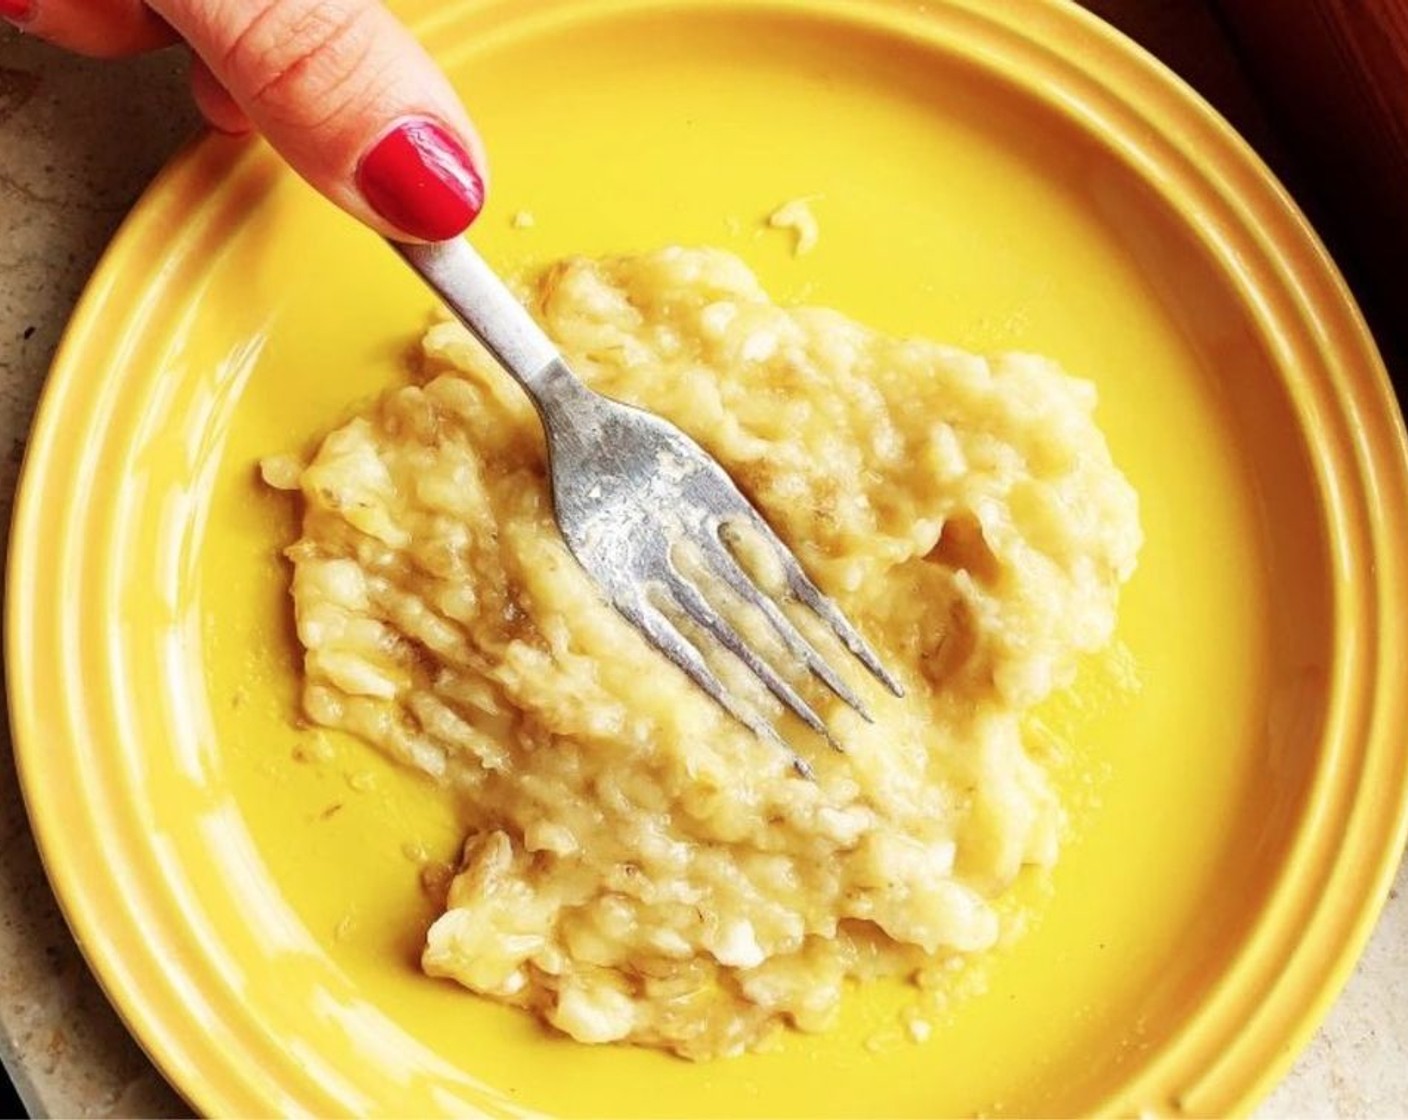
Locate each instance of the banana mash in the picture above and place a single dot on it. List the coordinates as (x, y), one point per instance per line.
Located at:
(638, 867)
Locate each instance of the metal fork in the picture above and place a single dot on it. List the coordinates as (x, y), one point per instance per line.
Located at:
(628, 488)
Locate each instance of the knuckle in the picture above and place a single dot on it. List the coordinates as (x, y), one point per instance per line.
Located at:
(300, 64)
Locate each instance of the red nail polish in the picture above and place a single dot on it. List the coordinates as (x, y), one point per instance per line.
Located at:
(15, 11)
(420, 179)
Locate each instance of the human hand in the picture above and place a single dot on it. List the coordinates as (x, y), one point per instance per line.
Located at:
(339, 87)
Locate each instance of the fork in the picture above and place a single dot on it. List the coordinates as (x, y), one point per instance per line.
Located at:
(628, 488)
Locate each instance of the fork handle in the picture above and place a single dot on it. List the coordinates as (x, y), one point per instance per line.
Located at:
(483, 303)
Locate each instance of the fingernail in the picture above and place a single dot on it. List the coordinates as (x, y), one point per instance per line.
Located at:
(420, 179)
(16, 11)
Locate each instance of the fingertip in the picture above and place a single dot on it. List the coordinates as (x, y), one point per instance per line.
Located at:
(215, 103)
(459, 122)
(226, 127)
(16, 12)
(420, 177)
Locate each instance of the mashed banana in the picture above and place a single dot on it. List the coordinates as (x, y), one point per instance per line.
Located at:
(638, 867)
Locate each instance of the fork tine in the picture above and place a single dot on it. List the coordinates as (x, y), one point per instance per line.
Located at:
(664, 636)
(807, 592)
(693, 603)
(726, 566)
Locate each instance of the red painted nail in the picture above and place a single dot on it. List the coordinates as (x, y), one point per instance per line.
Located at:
(16, 11)
(420, 179)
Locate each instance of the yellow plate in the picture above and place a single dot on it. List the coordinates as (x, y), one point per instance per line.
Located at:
(997, 173)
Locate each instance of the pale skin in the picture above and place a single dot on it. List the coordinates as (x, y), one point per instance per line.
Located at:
(323, 80)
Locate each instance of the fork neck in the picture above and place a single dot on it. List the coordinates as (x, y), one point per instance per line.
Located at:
(561, 397)
(484, 304)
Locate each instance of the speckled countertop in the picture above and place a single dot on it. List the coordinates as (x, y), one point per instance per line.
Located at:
(78, 142)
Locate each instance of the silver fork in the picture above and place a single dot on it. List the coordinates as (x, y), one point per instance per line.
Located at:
(628, 488)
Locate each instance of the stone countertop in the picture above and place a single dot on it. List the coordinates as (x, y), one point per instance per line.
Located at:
(79, 140)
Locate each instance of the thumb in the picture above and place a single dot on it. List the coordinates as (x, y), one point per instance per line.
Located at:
(353, 103)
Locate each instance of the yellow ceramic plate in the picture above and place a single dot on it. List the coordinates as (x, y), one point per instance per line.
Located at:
(998, 173)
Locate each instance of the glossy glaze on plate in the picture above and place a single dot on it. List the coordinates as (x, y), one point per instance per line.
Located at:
(1000, 174)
